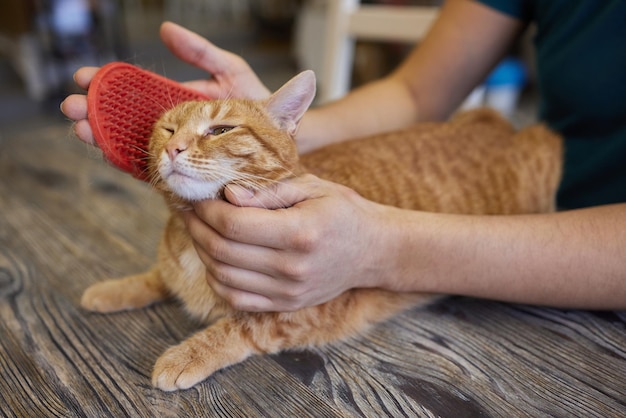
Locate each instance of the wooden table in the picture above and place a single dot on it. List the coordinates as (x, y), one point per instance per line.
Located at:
(68, 220)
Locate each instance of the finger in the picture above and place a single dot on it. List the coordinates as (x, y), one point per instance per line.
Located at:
(83, 132)
(233, 278)
(194, 49)
(75, 106)
(210, 88)
(283, 194)
(270, 295)
(241, 300)
(83, 76)
(252, 226)
(216, 251)
(232, 75)
(207, 87)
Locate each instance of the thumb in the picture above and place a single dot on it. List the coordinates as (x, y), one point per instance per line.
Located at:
(193, 48)
(283, 194)
(231, 74)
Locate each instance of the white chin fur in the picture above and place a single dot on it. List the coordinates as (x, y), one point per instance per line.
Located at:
(192, 189)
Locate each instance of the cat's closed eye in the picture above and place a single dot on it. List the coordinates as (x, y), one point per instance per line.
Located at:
(220, 129)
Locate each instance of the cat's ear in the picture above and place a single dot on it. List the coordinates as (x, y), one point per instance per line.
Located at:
(288, 104)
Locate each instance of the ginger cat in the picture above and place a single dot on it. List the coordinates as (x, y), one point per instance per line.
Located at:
(475, 164)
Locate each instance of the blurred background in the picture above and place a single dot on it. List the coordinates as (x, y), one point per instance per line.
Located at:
(42, 42)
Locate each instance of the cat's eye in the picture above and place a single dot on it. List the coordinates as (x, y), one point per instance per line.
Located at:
(169, 129)
(218, 130)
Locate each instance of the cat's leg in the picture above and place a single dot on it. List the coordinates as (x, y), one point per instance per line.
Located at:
(127, 293)
(233, 339)
(222, 344)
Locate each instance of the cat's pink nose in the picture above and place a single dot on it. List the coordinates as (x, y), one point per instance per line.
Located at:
(174, 149)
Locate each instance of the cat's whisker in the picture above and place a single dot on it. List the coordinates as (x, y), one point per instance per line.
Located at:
(230, 92)
(169, 91)
(249, 181)
(170, 98)
(142, 150)
(153, 178)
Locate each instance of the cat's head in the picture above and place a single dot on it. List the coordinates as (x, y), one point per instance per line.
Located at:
(197, 148)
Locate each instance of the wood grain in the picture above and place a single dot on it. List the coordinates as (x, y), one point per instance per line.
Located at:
(68, 220)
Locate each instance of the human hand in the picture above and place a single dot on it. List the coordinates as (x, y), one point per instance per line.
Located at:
(231, 76)
(320, 240)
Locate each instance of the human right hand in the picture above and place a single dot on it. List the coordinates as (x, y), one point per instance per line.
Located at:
(321, 239)
(231, 76)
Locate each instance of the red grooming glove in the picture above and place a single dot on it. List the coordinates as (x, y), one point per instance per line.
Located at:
(123, 103)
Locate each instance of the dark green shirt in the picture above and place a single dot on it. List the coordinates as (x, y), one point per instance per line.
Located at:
(581, 75)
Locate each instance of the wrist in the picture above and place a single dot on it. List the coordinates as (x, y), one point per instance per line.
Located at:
(407, 256)
(391, 247)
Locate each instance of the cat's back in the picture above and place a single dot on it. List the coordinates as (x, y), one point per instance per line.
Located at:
(475, 163)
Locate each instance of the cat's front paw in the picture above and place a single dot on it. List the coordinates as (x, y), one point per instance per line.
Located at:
(198, 357)
(181, 367)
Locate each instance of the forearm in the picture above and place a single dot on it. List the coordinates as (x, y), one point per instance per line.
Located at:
(463, 45)
(380, 106)
(573, 259)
